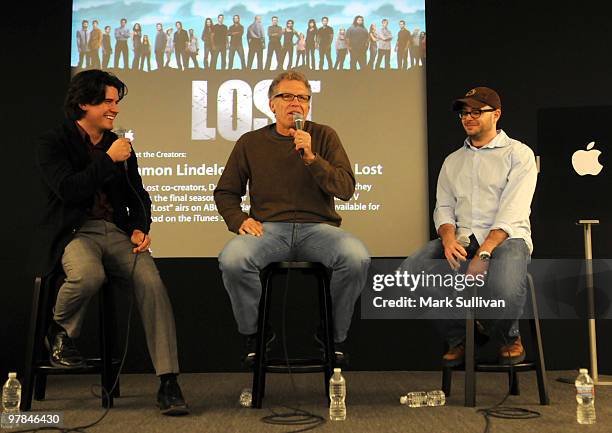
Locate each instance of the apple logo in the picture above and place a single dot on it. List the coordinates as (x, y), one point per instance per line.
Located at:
(130, 135)
(587, 161)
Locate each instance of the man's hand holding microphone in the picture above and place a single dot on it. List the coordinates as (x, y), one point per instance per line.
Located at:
(302, 139)
(121, 149)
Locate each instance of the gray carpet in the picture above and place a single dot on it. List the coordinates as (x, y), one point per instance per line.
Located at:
(372, 404)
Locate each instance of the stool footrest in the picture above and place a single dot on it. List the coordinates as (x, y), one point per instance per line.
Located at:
(500, 368)
(279, 365)
(93, 366)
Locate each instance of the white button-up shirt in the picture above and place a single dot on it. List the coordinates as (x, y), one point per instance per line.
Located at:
(481, 189)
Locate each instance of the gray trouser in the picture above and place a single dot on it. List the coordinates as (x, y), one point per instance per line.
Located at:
(99, 249)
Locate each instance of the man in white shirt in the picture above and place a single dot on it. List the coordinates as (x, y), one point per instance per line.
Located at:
(483, 201)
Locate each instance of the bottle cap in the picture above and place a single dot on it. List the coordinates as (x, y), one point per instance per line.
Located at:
(12, 376)
(337, 370)
(403, 399)
(583, 371)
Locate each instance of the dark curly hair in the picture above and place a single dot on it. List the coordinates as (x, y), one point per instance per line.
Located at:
(89, 87)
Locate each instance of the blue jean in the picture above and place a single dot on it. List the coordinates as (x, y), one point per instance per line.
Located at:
(506, 280)
(245, 256)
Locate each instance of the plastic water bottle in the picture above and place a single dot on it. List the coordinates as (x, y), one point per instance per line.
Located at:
(414, 399)
(11, 394)
(436, 398)
(337, 396)
(246, 398)
(585, 396)
(422, 398)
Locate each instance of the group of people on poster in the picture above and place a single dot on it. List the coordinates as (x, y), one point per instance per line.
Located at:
(218, 45)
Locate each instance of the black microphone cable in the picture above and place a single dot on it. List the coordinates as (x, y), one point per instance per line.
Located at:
(131, 279)
(506, 412)
(498, 410)
(296, 415)
(130, 311)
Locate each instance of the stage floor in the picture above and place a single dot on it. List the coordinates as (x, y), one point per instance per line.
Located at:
(372, 404)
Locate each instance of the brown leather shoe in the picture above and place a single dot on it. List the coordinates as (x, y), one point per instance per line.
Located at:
(455, 356)
(513, 353)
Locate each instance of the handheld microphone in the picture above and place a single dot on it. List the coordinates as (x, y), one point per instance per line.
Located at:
(298, 118)
(122, 133)
(463, 236)
(464, 240)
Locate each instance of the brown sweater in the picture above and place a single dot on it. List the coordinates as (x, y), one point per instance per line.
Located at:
(282, 187)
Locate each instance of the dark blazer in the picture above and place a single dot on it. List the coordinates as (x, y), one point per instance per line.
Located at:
(70, 177)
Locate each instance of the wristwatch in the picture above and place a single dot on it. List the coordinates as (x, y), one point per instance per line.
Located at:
(484, 256)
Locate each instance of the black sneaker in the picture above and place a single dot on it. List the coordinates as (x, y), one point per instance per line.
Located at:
(170, 399)
(62, 350)
(339, 348)
(250, 345)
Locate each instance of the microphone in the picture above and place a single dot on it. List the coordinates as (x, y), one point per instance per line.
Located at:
(298, 118)
(463, 236)
(464, 240)
(122, 133)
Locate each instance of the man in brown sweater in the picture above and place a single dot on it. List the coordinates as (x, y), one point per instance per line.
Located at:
(293, 177)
